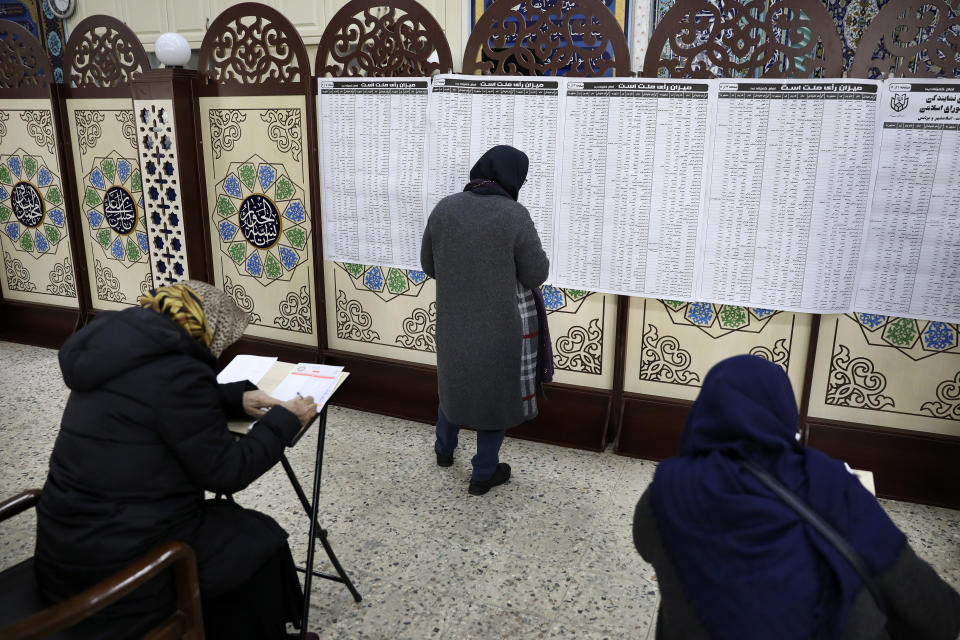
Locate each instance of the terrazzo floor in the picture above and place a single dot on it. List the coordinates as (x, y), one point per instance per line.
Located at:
(549, 555)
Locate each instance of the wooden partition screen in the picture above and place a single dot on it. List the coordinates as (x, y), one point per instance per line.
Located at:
(670, 345)
(257, 120)
(39, 230)
(885, 392)
(102, 58)
(381, 321)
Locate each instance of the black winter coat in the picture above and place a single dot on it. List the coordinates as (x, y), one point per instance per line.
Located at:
(143, 435)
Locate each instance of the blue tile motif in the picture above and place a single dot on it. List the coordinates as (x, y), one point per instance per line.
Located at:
(140, 202)
(42, 244)
(871, 320)
(373, 279)
(762, 313)
(295, 212)
(939, 335)
(552, 297)
(142, 242)
(228, 230)
(416, 277)
(232, 186)
(97, 179)
(254, 266)
(44, 177)
(117, 249)
(14, 164)
(3, 194)
(95, 218)
(13, 230)
(57, 216)
(54, 45)
(288, 257)
(123, 170)
(267, 175)
(701, 314)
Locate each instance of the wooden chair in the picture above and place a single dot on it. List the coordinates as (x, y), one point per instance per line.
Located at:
(911, 39)
(27, 614)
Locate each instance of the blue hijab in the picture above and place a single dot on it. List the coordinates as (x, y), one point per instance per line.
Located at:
(749, 564)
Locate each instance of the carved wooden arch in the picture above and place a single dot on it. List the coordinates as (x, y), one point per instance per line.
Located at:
(744, 38)
(103, 52)
(396, 41)
(576, 38)
(23, 62)
(910, 38)
(251, 44)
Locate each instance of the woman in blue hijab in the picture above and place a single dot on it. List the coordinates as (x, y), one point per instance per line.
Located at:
(735, 561)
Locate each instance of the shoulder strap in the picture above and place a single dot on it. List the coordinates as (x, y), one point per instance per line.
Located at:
(818, 523)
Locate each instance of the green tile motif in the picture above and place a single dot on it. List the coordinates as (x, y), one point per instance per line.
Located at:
(397, 281)
(297, 237)
(5, 213)
(353, 269)
(92, 197)
(133, 251)
(237, 251)
(284, 189)
(135, 182)
(272, 267)
(54, 196)
(26, 241)
(225, 207)
(104, 237)
(248, 175)
(902, 332)
(5, 174)
(30, 165)
(674, 304)
(576, 294)
(53, 234)
(109, 169)
(732, 317)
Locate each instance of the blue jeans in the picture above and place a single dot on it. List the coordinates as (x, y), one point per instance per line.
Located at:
(488, 446)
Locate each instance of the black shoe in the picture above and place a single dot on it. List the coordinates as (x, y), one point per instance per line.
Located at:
(501, 475)
(443, 459)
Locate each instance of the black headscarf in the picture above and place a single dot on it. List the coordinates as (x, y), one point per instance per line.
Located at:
(501, 171)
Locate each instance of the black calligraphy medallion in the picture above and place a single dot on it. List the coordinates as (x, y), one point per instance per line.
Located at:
(120, 210)
(27, 204)
(259, 220)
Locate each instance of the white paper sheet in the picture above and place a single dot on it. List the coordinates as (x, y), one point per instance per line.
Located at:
(632, 185)
(246, 367)
(911, 263)
(790, 176)
(307, 379)
(371, 169)
(469, 114)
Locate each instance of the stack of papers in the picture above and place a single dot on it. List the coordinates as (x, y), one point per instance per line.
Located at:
(317, 380)
(243, 367)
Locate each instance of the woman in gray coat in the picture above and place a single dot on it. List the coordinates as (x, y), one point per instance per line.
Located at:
(484, 251)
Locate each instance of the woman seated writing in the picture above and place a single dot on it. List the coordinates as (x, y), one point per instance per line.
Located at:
(143, 435)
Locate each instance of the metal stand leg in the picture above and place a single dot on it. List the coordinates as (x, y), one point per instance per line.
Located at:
(316, 531)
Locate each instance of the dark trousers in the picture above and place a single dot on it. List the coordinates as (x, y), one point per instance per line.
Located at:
(488, 446)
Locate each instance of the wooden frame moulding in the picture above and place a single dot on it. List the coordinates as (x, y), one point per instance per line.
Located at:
(27, 74)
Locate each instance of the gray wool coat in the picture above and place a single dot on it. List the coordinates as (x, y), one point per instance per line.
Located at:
(477, 247)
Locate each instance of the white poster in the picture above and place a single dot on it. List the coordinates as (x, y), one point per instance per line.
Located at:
(632, 186)
(911, 262)
(372, 140)
(790, 176)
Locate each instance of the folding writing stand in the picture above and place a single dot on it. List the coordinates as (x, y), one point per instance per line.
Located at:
(269, 383)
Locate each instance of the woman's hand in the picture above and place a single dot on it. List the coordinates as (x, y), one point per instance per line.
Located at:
(256, 403)
(304, 408)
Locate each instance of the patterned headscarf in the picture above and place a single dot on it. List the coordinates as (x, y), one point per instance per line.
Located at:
(209, 315)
